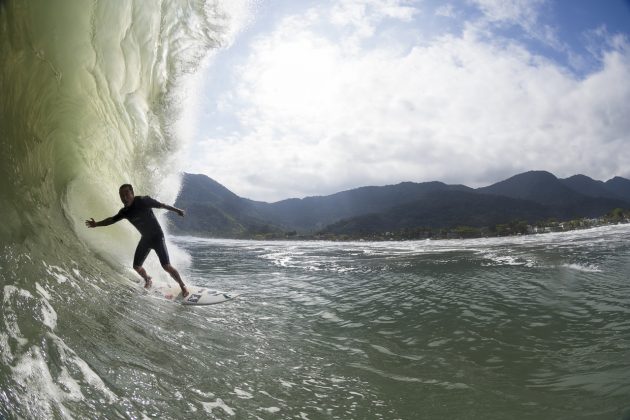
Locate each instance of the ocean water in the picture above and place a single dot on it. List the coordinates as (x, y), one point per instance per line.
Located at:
(92, 97)
(528, 327)
(534, 327)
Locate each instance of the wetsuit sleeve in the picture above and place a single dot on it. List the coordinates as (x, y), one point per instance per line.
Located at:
(152, 202)
(118, 216)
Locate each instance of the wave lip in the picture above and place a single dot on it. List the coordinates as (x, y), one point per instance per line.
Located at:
(91, 93)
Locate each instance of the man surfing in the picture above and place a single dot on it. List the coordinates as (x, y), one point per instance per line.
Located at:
(138, 211)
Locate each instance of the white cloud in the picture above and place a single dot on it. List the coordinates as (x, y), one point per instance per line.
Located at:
(361, 18)
(525, 14)
(360, 13)
(318, 116)
(446, 10)
(513, 11)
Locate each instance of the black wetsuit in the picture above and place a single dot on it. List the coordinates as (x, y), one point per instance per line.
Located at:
(140, 215)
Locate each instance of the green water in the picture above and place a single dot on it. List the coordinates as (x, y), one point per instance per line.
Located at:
(535, 327)
(531, 328)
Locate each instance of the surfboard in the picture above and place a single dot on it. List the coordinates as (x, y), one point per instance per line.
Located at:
(196, 295)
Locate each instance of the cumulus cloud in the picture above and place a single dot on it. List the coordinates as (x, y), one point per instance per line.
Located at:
(318, 116)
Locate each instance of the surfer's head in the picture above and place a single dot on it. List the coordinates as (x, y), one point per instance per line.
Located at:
(126, 194)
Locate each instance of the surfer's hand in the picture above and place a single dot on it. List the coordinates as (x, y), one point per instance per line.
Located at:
(180, 212)
(90, 223)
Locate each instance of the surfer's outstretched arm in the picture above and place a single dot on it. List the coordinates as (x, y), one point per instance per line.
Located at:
(175, 209)
(105, 222)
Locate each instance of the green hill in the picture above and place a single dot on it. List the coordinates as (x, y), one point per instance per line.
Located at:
(215, 211)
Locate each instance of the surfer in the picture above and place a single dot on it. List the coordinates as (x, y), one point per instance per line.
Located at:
(138, 211)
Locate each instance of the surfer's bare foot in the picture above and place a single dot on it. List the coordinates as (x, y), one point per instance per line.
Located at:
(147, 282)
(185, 291)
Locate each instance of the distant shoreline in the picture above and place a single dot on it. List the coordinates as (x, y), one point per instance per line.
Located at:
(527, 203)
(423, 234)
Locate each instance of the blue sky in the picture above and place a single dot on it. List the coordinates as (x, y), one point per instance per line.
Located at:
(311, 98)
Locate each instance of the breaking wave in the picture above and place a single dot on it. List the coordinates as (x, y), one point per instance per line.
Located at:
(91, 95)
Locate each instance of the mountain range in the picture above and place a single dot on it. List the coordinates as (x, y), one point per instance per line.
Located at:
(214, 211)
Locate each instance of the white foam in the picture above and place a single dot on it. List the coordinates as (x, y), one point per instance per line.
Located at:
(10, 323)
(31, 369)
(588, 268)
(243, 394)
(286, 384)
(40, 392)
(10, 290)
(49, 316)
(383, 350)
(5, 351)
(42, 291)
(219, 403)
(510, 260)
(270, 410)
(71, 387)
(56, 272)
(203, 394)
(89, 376)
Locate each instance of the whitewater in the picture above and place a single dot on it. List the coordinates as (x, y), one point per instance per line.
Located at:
(93, 94)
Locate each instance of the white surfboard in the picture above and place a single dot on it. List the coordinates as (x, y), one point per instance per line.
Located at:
(196, 295)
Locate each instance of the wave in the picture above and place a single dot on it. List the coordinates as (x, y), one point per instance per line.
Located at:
(91, 95)
(588, 268)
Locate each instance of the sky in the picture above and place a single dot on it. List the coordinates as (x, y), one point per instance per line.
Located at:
(316, 97)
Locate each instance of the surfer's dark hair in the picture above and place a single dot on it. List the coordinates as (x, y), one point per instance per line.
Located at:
(125, 186)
